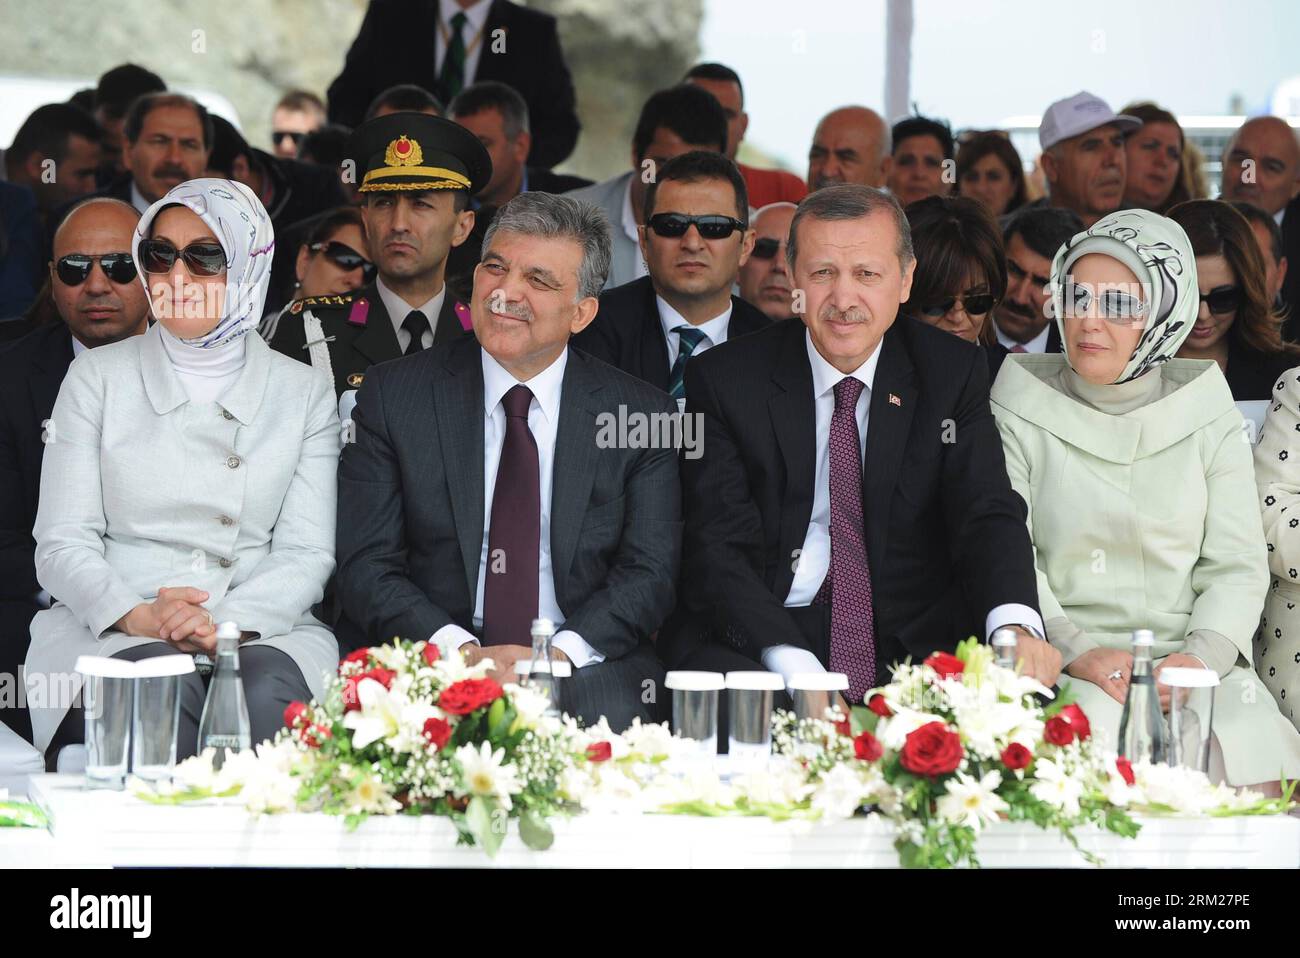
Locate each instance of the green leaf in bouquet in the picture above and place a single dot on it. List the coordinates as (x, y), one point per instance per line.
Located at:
(486, 827)
(535, 831)
(21, 815)
(862, 719)
(468, 730)
(499, 717)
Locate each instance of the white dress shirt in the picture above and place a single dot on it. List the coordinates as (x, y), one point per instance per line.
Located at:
(714, 330)
(475, 19)
(1036, 345)
(399, 309)
(630, 228)
(137, 198)
(543, 422)
(815, 555)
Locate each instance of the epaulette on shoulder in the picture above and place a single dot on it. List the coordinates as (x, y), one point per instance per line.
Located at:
(343, 299)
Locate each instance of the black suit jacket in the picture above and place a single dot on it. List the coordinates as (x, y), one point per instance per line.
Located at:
(31, 371)
(397, 43)
(544, 181)
(1291, 285)
(627, 332)
(1252, 375)
(355, 348)
(412, 510)
(945, 532)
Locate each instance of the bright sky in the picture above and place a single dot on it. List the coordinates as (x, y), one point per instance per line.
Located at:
(975, 63)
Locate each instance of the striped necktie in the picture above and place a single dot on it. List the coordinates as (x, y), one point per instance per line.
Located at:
(452, 78)
(689, 338)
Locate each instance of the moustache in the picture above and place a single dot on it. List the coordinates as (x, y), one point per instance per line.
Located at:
(498, 306)
(1018, 309)
(829, 314)
(165, 172)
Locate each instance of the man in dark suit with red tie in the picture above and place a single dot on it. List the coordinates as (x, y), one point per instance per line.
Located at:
(482, 491)
(802, 554)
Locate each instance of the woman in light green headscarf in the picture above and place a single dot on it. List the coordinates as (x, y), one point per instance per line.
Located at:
(1137, 474)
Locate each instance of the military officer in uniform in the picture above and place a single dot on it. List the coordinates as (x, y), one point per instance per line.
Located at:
(417, 175)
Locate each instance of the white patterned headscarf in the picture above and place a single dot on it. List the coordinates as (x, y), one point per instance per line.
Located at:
(1159, 253)
(241, 225)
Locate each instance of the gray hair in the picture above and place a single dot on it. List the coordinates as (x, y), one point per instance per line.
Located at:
(560, 217)
(850, 201)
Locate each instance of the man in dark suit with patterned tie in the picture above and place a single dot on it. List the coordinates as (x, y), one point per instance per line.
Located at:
(802, 554)
(695, 238)
(482, 490)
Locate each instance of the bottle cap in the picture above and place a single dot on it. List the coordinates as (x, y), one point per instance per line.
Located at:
(561, 670)
(695, 681)
(1005, 637)
(228, 630)
(1144, 637)
(543, 627)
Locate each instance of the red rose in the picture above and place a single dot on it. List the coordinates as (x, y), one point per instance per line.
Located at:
(1058, 731)
(431, 653)
(294, 711)
(867, 747)
(932, 750)
(878, 705)
(358, 657)
(1015, 757)
(1125, 769)
(314, 736)
(1078, 721)
(945, 664)
(844, 727)
(599, 752)
(438, 732)
(469, 694)
(383, 676)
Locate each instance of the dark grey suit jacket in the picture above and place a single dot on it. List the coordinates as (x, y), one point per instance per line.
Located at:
(412, 512)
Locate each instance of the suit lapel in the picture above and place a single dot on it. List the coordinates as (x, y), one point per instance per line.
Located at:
(893, 400)
(49, 368)
(458, 398)
(653, 358)
(448, 325)
(377, 342)
(574, 468)
(794, 418)
(488, 62)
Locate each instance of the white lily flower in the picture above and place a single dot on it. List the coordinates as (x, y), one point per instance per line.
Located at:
(196, 772)
(1057, 786)
(893, 731)
(972, 802)
(839, 793)
(486, 776)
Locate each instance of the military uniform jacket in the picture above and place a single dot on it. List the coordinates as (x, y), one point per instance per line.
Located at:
(345, 335)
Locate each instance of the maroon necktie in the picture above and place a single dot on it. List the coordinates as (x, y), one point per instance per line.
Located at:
(514, 537)
(1017, 348)
(848, 580)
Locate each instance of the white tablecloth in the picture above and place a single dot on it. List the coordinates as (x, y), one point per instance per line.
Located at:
(102, 829)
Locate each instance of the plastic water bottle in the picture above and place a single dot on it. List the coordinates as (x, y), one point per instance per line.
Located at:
(1142, 733)
(1004, 648)
(541, 664)
(224, 724)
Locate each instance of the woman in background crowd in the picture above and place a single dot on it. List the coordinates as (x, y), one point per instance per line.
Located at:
(1156, 178)
(990, 170)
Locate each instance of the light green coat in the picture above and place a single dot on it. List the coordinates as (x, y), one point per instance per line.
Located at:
(1149, 519)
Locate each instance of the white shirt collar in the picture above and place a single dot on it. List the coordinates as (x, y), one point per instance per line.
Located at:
(545, 386)
(137, 198)
(1279, 216)
(78, 347)
(399, 309)
(475, 16)
(826, 377)
(1036, 345)
(629, 218)
(715, 329)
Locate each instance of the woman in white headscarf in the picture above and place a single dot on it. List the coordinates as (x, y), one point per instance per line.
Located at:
(189, 479)
(1141, 492)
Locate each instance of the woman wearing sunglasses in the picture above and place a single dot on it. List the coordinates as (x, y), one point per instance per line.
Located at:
(961, 270)
(1141, 493)
(332, 261)
(1236, 324)
(192, 480)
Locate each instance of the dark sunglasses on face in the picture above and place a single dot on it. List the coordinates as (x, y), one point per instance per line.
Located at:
(74, 269)
(976, 305)
(201, 259)
(279, 135)
(345, 258)
(711, 227)
(1222, 299)
(766, 247)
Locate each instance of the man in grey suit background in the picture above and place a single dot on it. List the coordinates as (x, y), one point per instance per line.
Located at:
(672, 122)
(482, 489)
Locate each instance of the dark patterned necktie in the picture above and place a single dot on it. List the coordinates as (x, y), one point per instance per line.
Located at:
(415, 324)
(1017, 348)
(514, 536)
(688, 339)
(848, 580)
(452, 78)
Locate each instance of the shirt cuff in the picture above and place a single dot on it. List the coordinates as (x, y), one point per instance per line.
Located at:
(451, 637)
(1215, 651)
(1013, 614)
(575, 647)
(790, 660)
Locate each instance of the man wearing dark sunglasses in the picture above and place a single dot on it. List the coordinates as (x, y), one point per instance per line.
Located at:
(765, 279)
(694, 240)
(297, 114)
(97, 294)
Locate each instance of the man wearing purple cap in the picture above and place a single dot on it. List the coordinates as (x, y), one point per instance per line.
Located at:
(1083, 155)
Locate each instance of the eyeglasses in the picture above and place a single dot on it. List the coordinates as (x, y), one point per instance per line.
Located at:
(74, 269)
(1222, 299)
(296, 137)
(765, 248)
(345, 258)
(711, 227)
(1115, 306)
(976, 305)
(201, 259)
